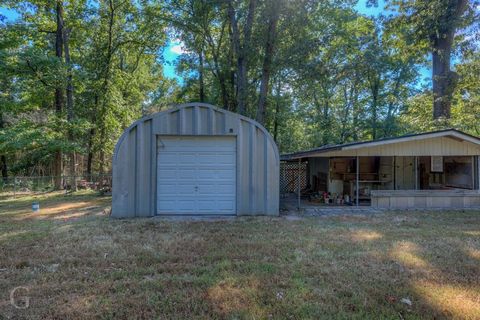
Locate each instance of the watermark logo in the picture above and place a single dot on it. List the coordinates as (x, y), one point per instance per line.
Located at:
(19, 297)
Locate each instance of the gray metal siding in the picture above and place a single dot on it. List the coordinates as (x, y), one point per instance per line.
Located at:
(134, 160)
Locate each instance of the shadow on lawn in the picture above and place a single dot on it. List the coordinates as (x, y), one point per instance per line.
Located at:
(443, 271)
(343, 267)
(440, 277)
(441, 281)
(447, 276)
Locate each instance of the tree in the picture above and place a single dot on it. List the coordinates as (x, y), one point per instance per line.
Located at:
(241, 49)
(74, 74)
(270, 40)
(60, 60)
(433, 25)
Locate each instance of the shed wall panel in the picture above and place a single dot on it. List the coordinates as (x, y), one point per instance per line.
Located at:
(132, 174)
(273, 181)
(143, 169)
(219, 122)
(120, 185)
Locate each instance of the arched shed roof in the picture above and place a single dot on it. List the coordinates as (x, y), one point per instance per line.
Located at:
(191, 105)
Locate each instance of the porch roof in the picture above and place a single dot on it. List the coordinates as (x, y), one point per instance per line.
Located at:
(384, 146)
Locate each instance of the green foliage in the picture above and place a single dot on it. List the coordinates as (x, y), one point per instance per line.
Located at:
(114, 48)
(336, 75)
(466, 107)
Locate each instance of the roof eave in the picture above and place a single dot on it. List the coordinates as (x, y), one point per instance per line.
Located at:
(452, 133)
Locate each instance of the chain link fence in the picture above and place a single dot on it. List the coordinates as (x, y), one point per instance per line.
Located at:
(16, 186)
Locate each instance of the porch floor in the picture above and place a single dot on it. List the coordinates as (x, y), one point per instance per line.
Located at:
(289, 204)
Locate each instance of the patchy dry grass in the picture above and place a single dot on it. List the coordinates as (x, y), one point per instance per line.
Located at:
(75, 262)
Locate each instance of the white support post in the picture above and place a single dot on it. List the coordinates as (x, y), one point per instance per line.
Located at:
(298, 184)
(478, 172)
(357, 191)
(394, 173)
(416, 172)
(473, 172)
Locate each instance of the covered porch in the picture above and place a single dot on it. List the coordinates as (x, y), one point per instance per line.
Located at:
(432, 170)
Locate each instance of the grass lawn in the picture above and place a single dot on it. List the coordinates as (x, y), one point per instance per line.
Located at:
(73, 261)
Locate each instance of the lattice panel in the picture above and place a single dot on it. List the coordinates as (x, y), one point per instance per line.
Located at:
(289, 172)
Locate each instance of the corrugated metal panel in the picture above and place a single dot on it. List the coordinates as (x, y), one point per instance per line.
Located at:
(134, 160)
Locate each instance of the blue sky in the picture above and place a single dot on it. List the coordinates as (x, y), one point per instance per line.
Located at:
(174, 49)
(371, 11)
(170, 54)
(10, 14)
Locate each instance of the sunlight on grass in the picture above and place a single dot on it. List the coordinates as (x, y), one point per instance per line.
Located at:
(55, 210)
(473, 233)
(228, 298)
(456, 301)
(55, 206)
(474, 253)
(71, 215)
(366, 235)
(407, 253)
(75, 304)
(11, 234)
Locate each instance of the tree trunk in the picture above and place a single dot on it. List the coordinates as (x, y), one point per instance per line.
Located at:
(59, 98)
(356, 129)
(374, 106)
(70, 110)
(90, 151)
(390, 119)
(323, 112)
(444, 80)
(91, 135)
(223, 89)
(326, 123)
(105, 87)
(4, 168)
(267, 60)
(3, 158)
(222, 82)
(200, 77)
(218, 72)
(277, 112)
(232, 104)
(241, 51)
(102, 162)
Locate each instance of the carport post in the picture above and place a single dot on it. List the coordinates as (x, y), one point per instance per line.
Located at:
(473, 172)
(416, 172)
(357, 191)
(478, 172)
(298, 183)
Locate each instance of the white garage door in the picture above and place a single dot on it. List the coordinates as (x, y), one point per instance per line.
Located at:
(196, 175)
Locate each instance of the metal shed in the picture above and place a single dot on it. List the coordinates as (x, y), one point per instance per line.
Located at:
(195, 159)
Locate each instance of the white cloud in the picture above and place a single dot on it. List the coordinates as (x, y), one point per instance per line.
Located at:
(177, 46)
(178, 49)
